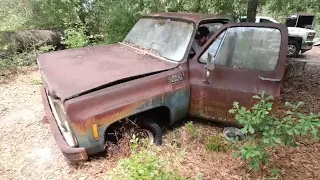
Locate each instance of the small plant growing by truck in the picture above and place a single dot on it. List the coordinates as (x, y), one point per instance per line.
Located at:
(270, 131)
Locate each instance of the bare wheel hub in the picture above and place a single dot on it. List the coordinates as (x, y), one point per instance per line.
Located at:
(291, 49)
(144, 134)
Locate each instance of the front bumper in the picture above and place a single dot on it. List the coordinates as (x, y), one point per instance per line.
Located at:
(72, 154)
(306, 46)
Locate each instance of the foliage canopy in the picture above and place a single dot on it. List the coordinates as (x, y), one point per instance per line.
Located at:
(113, 19)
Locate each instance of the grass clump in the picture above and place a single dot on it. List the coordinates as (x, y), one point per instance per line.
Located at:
(144, 163)
(191, 129)
(217, 144)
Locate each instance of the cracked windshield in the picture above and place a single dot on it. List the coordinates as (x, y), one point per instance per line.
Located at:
(166, 38)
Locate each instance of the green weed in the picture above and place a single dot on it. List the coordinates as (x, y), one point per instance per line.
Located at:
(217, 143)
(191, 129)
(75, 36)
(36, 81)
(144, 164)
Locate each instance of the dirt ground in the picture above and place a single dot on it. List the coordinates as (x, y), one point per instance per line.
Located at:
(28, 149)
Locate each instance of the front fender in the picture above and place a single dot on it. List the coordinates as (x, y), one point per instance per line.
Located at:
(109, 105)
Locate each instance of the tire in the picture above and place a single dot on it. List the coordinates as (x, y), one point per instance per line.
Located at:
(154, 128)
(293, 48)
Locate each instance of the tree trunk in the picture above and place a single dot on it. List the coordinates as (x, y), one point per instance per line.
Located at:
(82, 12)
(252, 10)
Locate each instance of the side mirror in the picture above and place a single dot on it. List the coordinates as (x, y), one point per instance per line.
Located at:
(208, 67)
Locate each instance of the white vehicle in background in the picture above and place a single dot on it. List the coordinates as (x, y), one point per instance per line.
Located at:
(300, 29)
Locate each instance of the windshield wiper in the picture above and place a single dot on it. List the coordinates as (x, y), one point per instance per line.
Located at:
(148, 50)
(145, 51)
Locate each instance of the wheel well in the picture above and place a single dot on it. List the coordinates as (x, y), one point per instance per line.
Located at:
(297, 39)
(160, 115)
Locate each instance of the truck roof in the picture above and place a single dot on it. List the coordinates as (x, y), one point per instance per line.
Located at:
(195, 17)
(303, 14)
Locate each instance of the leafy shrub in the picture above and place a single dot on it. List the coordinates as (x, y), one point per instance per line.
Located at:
(75, 37)
(10, 64)
(47, 14)
(255, 154)
(217, 143)
(46, 48)
(143, 164)
(16, 60)
(270, 131)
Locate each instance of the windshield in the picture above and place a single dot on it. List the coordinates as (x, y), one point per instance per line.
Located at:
(166, 38)
(300, 21)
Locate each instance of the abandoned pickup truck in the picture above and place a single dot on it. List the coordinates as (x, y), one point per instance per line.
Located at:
(153, 76)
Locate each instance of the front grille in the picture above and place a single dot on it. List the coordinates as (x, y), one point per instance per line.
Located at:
(311, 36)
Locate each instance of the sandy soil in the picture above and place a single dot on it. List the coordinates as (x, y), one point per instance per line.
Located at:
(28, 149)
(27, 146)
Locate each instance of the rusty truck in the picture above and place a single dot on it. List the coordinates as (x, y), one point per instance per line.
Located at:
(151, 77)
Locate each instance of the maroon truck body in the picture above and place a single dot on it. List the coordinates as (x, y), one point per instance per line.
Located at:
(100, 85)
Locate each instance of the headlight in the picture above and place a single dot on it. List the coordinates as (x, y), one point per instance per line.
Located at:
(61, 119)
(311, 36)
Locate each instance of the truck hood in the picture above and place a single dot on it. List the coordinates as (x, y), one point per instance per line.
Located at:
(305, 34)
(70, 73)
(301, 30)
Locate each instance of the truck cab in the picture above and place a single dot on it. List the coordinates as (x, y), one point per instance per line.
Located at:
(150, 78)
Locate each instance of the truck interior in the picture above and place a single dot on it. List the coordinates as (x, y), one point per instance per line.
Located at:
(213, 26)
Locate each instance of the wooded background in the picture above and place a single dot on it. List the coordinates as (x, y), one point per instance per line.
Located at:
(112, 19)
